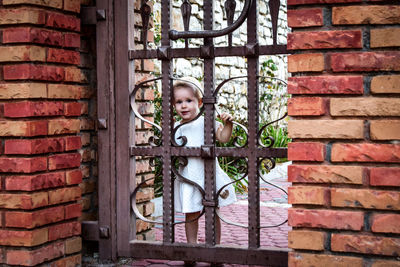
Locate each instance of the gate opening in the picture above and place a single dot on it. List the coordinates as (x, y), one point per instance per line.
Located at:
(250, 157)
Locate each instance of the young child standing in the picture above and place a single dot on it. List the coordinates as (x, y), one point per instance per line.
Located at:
(187, 100)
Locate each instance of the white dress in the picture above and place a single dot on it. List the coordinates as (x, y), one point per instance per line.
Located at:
(187, 197)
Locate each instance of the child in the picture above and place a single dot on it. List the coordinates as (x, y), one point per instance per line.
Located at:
(187, 99)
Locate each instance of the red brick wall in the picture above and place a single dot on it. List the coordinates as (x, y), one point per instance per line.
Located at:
(88, 117)
(345, 111)
(40, 154)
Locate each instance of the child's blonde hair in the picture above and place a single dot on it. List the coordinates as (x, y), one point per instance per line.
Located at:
(189, 82)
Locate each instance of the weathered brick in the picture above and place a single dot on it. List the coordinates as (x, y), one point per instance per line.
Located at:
(84, 108)
(64, 230)
(145, 194)
(385, 223)
(23, 201)
(36, 256)
(72, 5)
(87, 92)
(330, 219)
(305, 239)
(385, 37)
(365, 61)
(27, 238)
(30, 109)
(73, 143)
(147, 66)
(22, 90)
(23, 165)
(74, 74)
(365, 198)
(23, 128)
(64, 195)
(385, 176)
(365, 106)
(365, 152)
(73, 211)
(64, 91)
(306, 17)
(306, 106)
(88, 186)
(386, 263)
(61, 21)
(307, 260)
(307, 2)
(63, 126)
(63, 161)
(73, 245)
(46, 3)
(306, 151)
(384, 84)
(327, 129)
(87, 123)
(85, 138)
(32, 35)
(74, 177)
(306, 63)
(142, 226)
(22, 53)
(34, 219)
(72, 40)
(86, 203)
(365, 244)
(325, 174)
(385, 129)
(324, 39)
(33, 72)
(22, 16)
(72, 109)
(326, 85)
(34, 146)
(63, 56)
(368, 14)
(71, 261)
(308, 195)
(35, 182)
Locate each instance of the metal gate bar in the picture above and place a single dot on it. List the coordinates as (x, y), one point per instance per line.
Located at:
(218, 253)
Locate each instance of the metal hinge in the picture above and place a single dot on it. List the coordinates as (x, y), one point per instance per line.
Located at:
(90, 15)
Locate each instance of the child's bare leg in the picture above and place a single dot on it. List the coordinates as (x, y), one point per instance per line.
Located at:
(192, 228)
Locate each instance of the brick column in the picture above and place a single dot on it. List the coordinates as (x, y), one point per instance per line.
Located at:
(39, 127)
(345, 123)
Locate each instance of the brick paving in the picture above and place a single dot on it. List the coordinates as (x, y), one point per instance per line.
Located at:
(273, 209)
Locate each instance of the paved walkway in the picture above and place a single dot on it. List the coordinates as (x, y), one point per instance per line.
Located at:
(273, 209)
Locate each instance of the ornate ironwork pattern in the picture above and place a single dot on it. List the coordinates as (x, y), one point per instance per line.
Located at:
(256, 151)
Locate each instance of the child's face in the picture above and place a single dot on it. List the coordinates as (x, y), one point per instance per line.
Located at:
(186, 103)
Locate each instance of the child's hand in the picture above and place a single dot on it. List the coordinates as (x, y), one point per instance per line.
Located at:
(226, 118)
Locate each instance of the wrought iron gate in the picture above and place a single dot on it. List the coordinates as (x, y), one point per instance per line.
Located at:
(117, 152)
(168, 150)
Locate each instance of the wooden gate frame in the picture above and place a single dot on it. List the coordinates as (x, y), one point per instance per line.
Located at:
(115, 74)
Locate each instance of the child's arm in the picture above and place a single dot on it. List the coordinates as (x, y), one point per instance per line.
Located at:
(224, 132)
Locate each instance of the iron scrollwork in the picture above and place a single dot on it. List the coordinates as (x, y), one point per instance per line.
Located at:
(174, 35)
(158, 172)
(269, 163)
(153, 140)
(238, 141)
